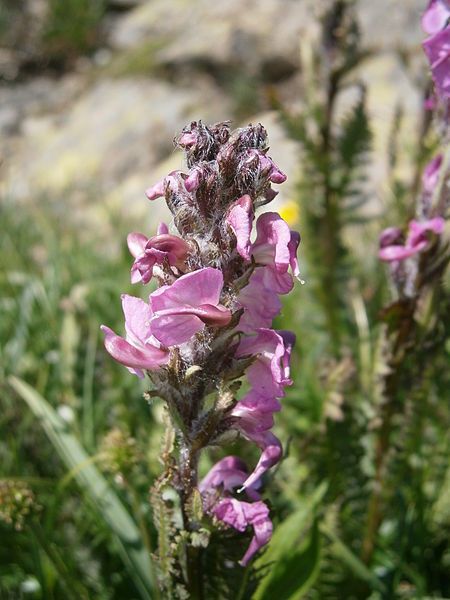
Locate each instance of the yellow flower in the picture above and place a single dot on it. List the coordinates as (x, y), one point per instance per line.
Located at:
(290, 212)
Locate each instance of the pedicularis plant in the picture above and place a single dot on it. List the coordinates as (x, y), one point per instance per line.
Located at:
(205, 333)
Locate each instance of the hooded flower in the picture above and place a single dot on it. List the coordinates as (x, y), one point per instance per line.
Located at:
(158, 190)
(157, 250)
(267, 167)
(217, 488)
(184, 308)
(139, 351)
(275, 245)
(416, 241)
(227, 475)
(269, 373)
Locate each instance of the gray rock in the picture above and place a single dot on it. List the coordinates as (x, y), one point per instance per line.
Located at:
(106, 143)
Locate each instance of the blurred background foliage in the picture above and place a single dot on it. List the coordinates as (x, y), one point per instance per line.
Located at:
(91, 94)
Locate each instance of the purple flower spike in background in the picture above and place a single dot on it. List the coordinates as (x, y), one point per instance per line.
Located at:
(416, 241)
(437, 49)
(208, 325)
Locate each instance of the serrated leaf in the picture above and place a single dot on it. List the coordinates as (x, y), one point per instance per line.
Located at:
(194, 506)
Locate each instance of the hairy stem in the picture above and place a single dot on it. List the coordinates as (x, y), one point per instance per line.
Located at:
(188, 472)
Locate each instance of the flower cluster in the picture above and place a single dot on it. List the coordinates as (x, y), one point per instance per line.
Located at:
(435, 23)
(395, 248)
(207, 329)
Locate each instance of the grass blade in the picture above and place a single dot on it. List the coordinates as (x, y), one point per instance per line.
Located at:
(95, 486)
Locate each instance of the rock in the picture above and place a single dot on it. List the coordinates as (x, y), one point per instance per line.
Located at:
(391, 24)
(106, 143)
(219, 33)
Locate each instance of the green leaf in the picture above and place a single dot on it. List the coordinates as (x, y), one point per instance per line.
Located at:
(293, 569)
(294, 573)
(95, 486)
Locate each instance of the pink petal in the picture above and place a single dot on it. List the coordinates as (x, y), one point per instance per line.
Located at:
(395, 253)
(199, 287)
(147, 357)
(262, 526)
(240, 218)
(271, 454)
(157, 190)
(137, 319)
(162, 228)
(261, 304)
(170, 245)
(240, 515)
(267, 373)
(136, 243)
(417, 229)
(280, 283)
(231, 512)
(187, 139)
(272, 240)
(172, 330)
(229, 473)
(435, 17)
(193, 180)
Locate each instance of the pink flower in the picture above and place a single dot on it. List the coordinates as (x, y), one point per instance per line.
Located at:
(269, 373)
(437, 49)
(275, 245)
(240, 219)
(272, 240)
(158, 190)
(216, 489)
(241, 515)
(194, 179)
(436, 16)
(157, 250)
(139, 351)
(184, 308)
(266, 166)
(227, 475)
(416, 241)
